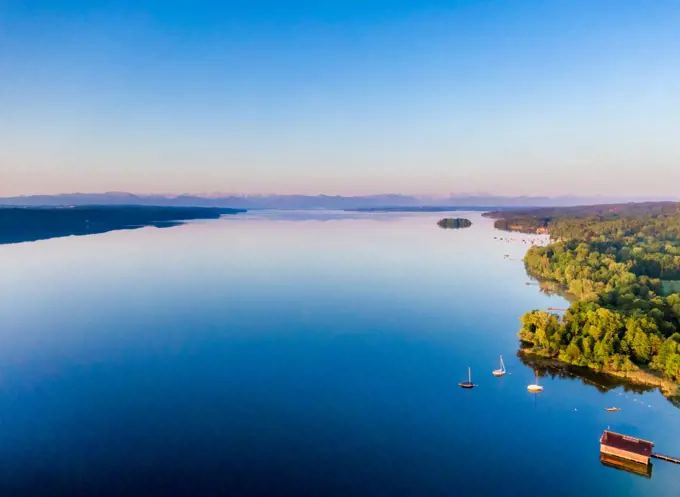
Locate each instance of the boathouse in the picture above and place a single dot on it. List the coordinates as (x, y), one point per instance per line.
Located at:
(625, 447)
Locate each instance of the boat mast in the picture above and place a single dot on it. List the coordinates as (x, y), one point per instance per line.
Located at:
(469, 375)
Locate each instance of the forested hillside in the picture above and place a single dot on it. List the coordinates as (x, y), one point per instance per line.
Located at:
(530, 220)
(621, 264)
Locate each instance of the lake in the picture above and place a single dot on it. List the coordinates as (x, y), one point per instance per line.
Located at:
(295, 353)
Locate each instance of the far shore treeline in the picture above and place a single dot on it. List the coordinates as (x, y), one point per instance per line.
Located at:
(454, 223)
(532, 220)
(622, 262)
(27, 224)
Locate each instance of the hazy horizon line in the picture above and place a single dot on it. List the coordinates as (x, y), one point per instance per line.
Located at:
(321, 194)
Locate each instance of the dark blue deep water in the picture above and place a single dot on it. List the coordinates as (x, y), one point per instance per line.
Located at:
(295, 354)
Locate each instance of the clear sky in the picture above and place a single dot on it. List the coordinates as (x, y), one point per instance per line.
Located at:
(340, 96)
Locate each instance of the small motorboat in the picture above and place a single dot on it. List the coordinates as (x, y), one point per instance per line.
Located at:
(535, 388)
(467, 384)
(612, 409)
(501, 371)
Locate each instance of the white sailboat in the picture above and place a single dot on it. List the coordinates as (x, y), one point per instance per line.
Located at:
(535, 388)
(501, 371)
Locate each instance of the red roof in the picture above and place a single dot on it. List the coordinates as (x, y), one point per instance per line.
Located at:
(629, 444)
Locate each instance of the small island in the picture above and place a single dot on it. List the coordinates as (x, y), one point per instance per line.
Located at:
(454, 223)
(622, 264)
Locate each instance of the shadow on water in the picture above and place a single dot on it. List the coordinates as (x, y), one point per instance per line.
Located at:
(549, 288)
(552, 368)
(627, 466)
(552, 289)
(163, 224)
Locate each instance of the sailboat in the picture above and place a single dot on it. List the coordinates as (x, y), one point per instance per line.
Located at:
(467, 384)
(501, 371)
(535, 388)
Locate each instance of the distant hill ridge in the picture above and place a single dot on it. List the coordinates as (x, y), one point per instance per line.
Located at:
(311, 201)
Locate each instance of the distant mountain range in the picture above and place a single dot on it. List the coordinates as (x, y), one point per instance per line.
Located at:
(312, 201)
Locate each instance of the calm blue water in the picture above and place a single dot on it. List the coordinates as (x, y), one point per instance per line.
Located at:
(294, 354)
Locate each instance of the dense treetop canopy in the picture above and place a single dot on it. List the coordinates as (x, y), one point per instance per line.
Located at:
(458, 222)
(622, 263)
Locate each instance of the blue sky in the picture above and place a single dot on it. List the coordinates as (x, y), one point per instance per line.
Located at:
(340, 97)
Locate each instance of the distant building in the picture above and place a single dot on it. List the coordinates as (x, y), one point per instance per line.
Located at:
(542, 231)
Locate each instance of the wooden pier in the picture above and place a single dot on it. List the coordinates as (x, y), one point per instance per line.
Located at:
(674, 460)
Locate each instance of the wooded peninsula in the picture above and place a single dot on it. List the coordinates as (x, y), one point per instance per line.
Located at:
(454, 223)
(27, 224)
(622, 263)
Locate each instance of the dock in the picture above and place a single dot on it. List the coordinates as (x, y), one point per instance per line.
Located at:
(674, 460)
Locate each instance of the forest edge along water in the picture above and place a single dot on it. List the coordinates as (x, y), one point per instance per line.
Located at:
(617, 260)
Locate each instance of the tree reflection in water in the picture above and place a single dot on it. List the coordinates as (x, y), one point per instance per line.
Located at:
(552, 368)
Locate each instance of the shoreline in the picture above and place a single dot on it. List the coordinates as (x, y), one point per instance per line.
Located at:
(641, 377)
(32, 224)
(668, 388)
